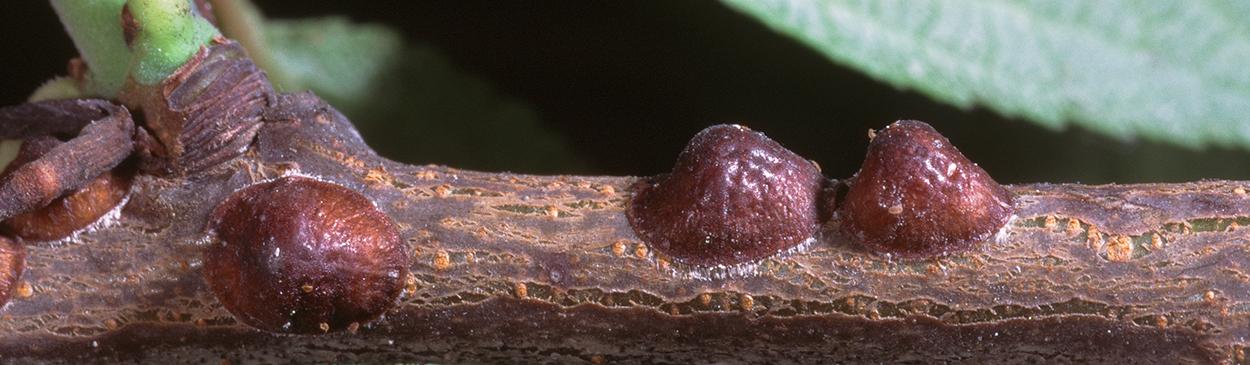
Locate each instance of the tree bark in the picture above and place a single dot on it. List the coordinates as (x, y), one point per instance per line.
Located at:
(546, 269)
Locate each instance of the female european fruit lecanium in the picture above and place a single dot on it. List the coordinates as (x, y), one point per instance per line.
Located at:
(917, 196)
(734, 196)
(298, 255)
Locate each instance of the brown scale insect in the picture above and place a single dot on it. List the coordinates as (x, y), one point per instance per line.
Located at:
(298, 255)
(734, 196)
(917, 196)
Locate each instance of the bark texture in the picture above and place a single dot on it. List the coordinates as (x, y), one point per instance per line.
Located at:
(546, 269)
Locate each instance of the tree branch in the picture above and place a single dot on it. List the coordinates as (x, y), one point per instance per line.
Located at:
(527, 268)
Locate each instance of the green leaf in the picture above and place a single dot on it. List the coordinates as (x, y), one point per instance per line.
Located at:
(1171, 70)
(339, 60)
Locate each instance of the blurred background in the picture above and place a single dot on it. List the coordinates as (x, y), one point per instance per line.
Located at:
(619, 87)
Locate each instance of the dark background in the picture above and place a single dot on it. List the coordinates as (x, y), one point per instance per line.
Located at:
(627, 83)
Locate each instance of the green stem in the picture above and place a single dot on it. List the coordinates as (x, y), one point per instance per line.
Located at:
(169, 32)
(95, 27)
